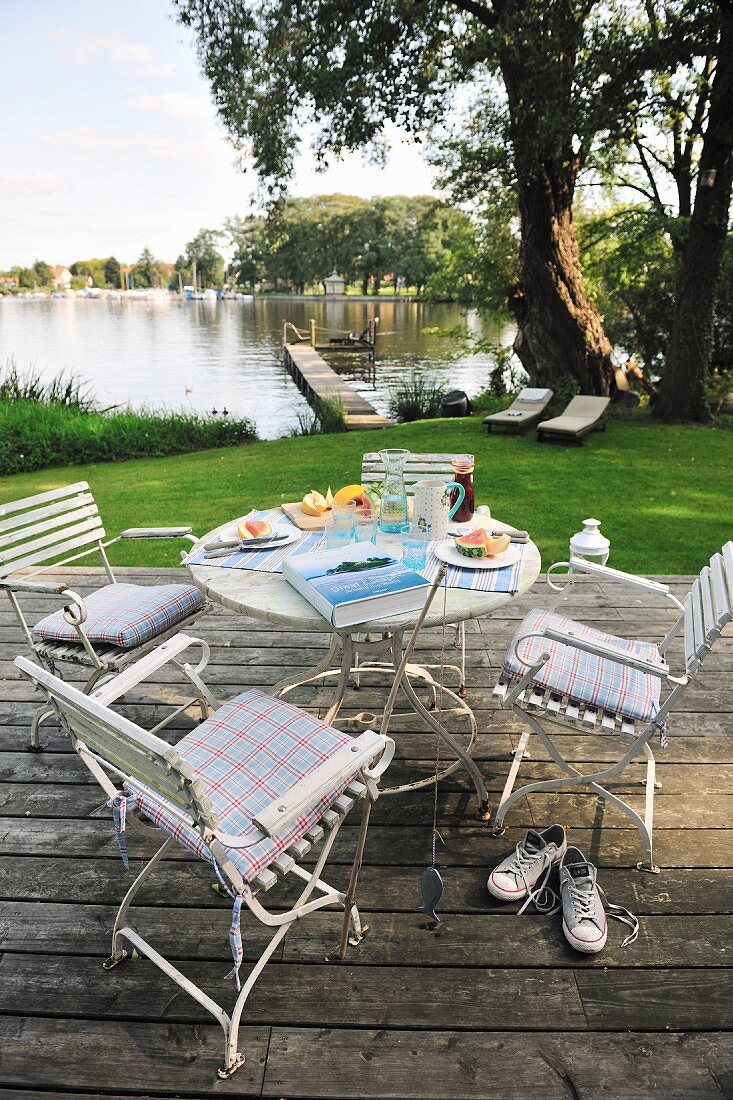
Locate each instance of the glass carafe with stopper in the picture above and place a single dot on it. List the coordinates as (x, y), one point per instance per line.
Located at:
(463, 475)
(393, 515)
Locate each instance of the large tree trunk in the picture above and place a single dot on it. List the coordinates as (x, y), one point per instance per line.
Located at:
(682, 395)
(560, 330)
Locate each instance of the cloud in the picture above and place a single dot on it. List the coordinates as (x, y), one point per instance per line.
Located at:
(149, 145)
(30, 184)
(172, 104)
(82, 48)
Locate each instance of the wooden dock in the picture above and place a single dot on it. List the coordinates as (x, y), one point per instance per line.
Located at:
(490, 1006)
(315, 379)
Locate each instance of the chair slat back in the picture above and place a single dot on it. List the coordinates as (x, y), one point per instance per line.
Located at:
(708, 607)
(122, 748)
(45, 529)
(417, 468)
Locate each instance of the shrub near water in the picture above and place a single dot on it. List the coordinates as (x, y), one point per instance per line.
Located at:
(56, 423)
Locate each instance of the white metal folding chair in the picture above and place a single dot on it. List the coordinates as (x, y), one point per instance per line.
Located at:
(251, 790)
(417, 468)
(119, 622)
(560, 672)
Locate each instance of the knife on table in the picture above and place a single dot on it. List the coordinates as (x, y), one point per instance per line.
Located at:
(224, 549)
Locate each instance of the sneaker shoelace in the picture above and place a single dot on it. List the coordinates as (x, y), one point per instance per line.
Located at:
(583, 906)
(542, 896)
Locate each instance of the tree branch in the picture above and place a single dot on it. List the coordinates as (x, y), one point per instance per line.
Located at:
(487, 16)
(649, 175)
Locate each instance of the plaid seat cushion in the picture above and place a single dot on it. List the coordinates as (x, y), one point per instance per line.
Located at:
(248, 754)
(126, 615)
(584, 677)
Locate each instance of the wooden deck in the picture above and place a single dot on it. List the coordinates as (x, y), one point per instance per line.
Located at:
(490, 1005)
(315, 378)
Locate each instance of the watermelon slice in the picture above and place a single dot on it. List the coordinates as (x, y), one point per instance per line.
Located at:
(480, 544)
(473, 544)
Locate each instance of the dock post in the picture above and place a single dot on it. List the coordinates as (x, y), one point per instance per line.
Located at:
(313, 332)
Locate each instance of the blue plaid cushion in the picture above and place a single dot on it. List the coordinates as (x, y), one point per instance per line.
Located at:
(248, 754)
(126, 615)
(584, 677)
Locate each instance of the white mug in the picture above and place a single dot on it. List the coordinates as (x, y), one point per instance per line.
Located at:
(431, 509)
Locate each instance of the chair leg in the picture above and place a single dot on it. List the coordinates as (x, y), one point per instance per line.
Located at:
(118, 952)
(39, 717)
(575, 778)
(461, 644)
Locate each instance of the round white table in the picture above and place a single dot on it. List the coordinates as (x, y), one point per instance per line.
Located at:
(269, 598)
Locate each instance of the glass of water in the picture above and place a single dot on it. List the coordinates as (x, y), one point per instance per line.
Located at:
(339, 524)
(414, 548)
(365, 524)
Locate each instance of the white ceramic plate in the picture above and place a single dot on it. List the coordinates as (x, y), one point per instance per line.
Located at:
(293, 535)
(446, 551)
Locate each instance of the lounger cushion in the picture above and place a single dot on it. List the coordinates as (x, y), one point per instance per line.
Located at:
(247, 754)
(584, 677)
(126, 615)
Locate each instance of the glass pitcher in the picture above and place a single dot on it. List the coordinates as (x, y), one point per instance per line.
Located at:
(393, 515)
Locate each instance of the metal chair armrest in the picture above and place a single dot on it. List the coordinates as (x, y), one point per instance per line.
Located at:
(343, 763)
(50, 588)
(134, 674)
(605, 572)
(568, 638)
(154, 533)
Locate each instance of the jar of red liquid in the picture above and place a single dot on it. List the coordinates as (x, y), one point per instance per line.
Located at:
(463, 474)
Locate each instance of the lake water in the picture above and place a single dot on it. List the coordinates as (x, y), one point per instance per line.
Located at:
(202, 355)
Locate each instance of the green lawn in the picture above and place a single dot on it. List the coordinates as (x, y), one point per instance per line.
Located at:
(662, 493)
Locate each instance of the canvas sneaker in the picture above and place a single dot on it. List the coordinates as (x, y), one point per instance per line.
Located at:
(583, 916)
(524, 873)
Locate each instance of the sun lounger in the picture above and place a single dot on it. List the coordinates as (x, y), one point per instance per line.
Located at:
(526, 409)
(582, 416)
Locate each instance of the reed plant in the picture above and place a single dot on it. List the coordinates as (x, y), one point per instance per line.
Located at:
(417, 398)
(56, 422)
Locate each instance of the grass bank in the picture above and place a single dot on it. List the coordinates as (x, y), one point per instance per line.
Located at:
(662, 493)
(58, 422)
(34, 435)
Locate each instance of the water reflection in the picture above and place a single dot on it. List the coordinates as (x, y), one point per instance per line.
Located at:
(212, 355)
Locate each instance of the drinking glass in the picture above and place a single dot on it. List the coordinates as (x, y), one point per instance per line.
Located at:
(339, 524)
(414, 548)
(365, 525)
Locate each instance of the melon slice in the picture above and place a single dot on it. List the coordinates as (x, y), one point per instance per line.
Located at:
(314, 503)
(253, 529)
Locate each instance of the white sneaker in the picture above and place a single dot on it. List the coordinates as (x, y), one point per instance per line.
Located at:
(517, 876)
(583, 916)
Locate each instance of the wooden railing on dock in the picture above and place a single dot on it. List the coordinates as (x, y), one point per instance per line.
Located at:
(315, 379)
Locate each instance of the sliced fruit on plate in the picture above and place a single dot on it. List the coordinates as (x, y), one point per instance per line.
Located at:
(329, 498)
(480, 544)
(253, 529)
(314, 503)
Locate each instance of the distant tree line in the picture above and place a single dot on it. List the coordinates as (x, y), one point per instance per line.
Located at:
(417, 243)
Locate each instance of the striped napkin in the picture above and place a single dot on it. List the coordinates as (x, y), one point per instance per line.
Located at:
(265, 560)
(479, 580)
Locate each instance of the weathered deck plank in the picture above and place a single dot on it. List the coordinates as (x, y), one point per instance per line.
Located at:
(415, 1012)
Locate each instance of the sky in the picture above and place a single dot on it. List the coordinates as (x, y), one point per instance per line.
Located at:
(110, 143)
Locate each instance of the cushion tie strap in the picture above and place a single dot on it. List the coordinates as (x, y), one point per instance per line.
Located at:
(119, 818)
(235, 940)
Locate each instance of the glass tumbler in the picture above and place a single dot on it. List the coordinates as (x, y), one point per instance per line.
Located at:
(414, 548)
(339, 525)
(366, 525)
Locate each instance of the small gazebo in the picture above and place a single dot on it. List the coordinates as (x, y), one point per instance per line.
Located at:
(334, 284)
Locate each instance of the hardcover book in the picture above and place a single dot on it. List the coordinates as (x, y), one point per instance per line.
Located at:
(355, 583)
